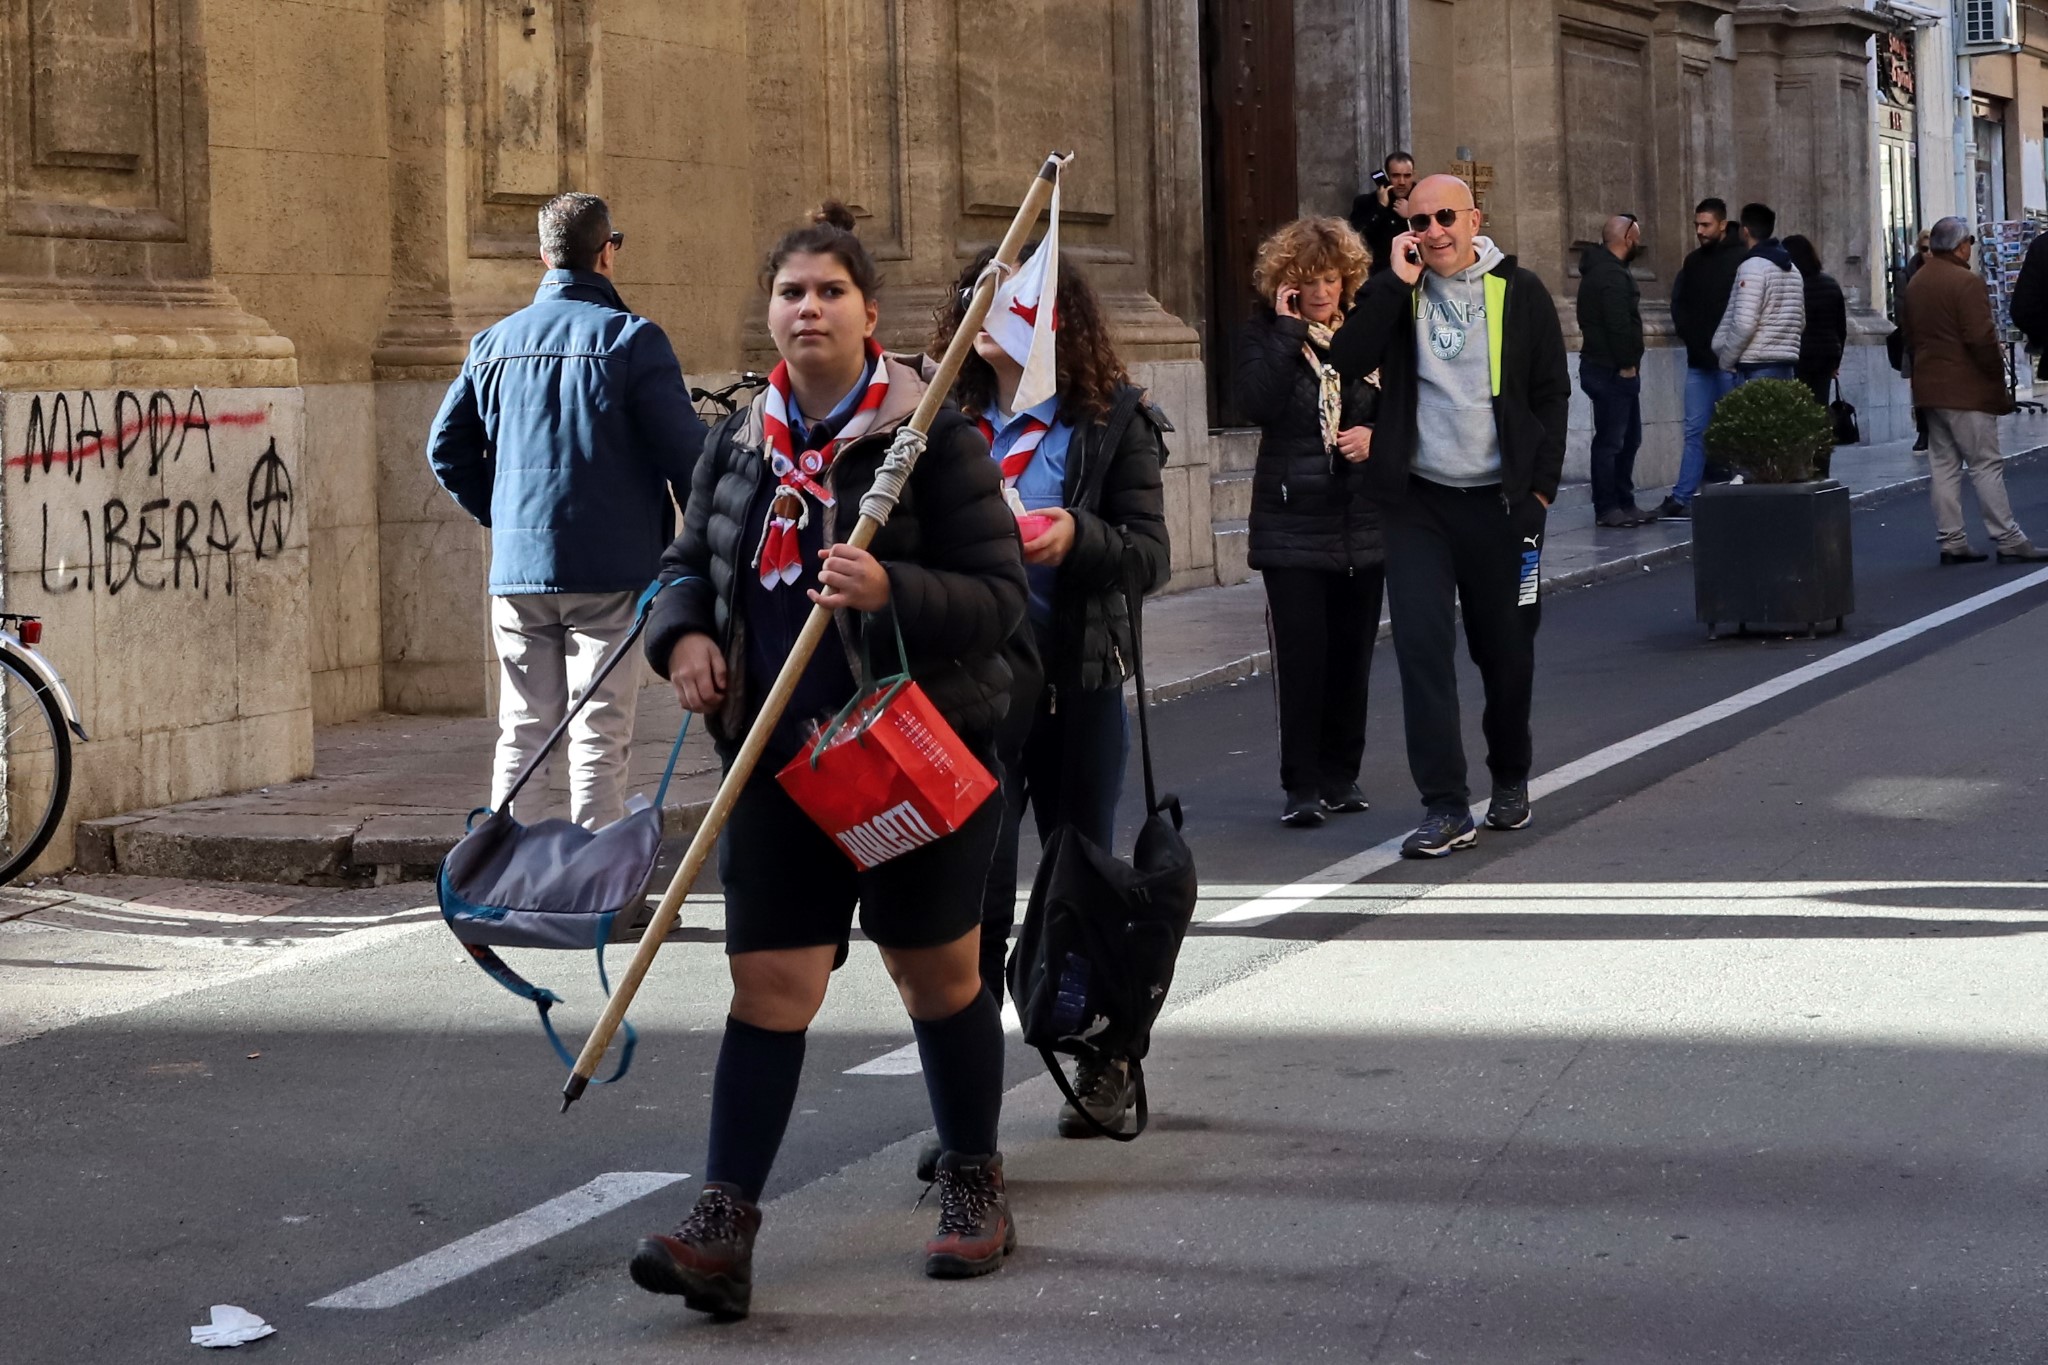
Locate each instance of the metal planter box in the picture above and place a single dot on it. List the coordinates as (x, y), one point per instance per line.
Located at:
(1772, 554)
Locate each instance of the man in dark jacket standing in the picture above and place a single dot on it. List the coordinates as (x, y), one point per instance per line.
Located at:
(565, 434)
(1376, 214)
(1959, 379)
(1467, 450)
(1699, 297)
(1610, 368)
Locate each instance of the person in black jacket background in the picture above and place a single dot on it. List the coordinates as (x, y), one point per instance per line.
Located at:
(1827, 322)
(1699, 296)
(2030, 302)
(1314, 537)
(1376, 215)
(1475, 394)
(1090, 460)
(771, 502)
(1610, 367)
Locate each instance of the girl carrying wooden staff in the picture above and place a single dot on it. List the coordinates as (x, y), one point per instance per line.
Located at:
(774, 497)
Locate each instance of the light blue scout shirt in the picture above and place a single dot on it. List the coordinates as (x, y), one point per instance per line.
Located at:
(1041, 485)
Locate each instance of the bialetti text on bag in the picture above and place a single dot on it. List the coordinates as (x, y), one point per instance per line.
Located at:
(891, 834)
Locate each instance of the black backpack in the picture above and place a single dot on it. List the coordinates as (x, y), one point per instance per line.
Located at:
(1095, 956)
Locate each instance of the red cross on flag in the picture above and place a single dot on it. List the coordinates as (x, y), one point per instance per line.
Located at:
(1024, 315)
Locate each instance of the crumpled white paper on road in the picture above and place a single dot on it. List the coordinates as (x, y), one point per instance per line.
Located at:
(231, 1326)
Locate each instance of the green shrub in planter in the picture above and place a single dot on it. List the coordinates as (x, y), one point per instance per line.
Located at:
(1773, 431)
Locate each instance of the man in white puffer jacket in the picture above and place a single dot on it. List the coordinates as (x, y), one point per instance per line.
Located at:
(1759, 334)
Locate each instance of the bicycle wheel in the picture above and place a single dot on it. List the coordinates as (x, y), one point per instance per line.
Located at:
(35, 766)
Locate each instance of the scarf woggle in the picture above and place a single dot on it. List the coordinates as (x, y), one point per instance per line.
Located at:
(800, 478)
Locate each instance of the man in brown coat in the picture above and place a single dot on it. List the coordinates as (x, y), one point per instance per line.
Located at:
(1959, 380)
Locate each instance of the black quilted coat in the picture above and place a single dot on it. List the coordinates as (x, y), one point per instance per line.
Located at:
(1308, 505)
(956, 568)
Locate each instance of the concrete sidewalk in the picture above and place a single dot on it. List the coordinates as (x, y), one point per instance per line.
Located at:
(390, 793)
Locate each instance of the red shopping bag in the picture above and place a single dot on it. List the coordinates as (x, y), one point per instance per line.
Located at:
(887, 775)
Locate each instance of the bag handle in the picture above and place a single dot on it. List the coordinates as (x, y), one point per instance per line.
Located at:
(611, 661)
(869, 691)
(1134, 606)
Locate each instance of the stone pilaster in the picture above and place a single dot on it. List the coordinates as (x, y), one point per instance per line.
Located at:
(151, 428)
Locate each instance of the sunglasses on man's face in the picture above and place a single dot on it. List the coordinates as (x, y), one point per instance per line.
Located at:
(617, 239)
(1419, 222)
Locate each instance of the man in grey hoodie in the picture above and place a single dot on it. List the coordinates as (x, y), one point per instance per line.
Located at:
(1467, 450)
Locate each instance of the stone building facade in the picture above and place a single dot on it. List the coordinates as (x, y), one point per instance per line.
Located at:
(246, 242)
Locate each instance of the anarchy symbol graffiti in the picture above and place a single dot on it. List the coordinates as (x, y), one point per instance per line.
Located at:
(270, 503)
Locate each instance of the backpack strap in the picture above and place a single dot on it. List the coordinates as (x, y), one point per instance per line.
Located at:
(611, 661)
(544, 999)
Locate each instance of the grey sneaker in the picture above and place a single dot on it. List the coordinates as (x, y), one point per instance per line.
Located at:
(1441, 832)
(2024, 553)
(1106, 1091)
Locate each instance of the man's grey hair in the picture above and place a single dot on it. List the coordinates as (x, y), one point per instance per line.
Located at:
(573, 230)
(1948, 234)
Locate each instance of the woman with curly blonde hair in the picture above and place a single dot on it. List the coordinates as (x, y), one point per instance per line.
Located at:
(1314, 537)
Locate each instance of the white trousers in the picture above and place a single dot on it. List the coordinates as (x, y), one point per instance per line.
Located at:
(549, 647)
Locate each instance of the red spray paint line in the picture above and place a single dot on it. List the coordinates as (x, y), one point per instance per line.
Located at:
(129, 432)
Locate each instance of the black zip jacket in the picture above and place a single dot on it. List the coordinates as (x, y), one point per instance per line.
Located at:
(1610, 311)
(956, 568)
(1699, 296)
(1309, 509)
(1119, 509)
(1530, 412)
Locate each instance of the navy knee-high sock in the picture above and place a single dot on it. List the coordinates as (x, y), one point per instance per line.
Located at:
(752, 1094)
(963, 1074)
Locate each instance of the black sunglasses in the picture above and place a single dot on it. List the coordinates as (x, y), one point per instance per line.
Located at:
(1419, 222)
(617, 239)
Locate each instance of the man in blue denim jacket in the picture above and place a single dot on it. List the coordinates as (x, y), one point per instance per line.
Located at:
(565, 434)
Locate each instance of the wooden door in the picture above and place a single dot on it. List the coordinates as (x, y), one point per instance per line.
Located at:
(1248, 163)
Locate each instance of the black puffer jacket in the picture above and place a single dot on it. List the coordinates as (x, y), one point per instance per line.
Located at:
(1827, 328)
(1309, 510)
(1118, 505)
(956, 568)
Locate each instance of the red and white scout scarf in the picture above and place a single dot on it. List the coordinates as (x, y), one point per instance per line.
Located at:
(1019, 458)
(780, 558)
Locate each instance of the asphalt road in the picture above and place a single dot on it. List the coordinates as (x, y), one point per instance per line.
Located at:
(1735, 1055)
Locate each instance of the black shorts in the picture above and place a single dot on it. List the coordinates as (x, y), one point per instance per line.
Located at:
(787, 885)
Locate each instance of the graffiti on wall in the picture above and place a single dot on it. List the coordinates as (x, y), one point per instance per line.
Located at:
(131, 490)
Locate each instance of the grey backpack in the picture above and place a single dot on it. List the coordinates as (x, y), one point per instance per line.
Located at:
(554, 884)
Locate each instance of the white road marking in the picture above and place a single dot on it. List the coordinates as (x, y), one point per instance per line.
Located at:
(472, 1253)
(1338, 876)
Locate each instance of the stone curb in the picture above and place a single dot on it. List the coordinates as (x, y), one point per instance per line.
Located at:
(382, 848)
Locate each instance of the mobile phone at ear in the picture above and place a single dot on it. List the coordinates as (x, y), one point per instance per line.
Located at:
(1414, 256)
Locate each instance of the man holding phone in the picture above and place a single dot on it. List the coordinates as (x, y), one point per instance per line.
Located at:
(1466, 456)
(1379, 214)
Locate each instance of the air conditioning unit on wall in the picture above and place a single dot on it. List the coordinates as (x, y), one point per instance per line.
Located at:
(1988, 26)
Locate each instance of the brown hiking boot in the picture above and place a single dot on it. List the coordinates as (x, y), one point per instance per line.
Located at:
(709, 1260)
(975, 1231)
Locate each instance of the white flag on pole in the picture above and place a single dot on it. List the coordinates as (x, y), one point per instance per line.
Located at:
(1025, 314)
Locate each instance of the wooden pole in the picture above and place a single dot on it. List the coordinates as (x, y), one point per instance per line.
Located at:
(874, 511)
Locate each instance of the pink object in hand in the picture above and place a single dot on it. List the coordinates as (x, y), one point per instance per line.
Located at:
(1032, 525)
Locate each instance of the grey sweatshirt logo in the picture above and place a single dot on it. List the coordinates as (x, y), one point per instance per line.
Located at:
(1449, 322)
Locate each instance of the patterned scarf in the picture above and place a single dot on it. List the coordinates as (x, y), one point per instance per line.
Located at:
(1019, 458)
(1330, 388)
(780, 558)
